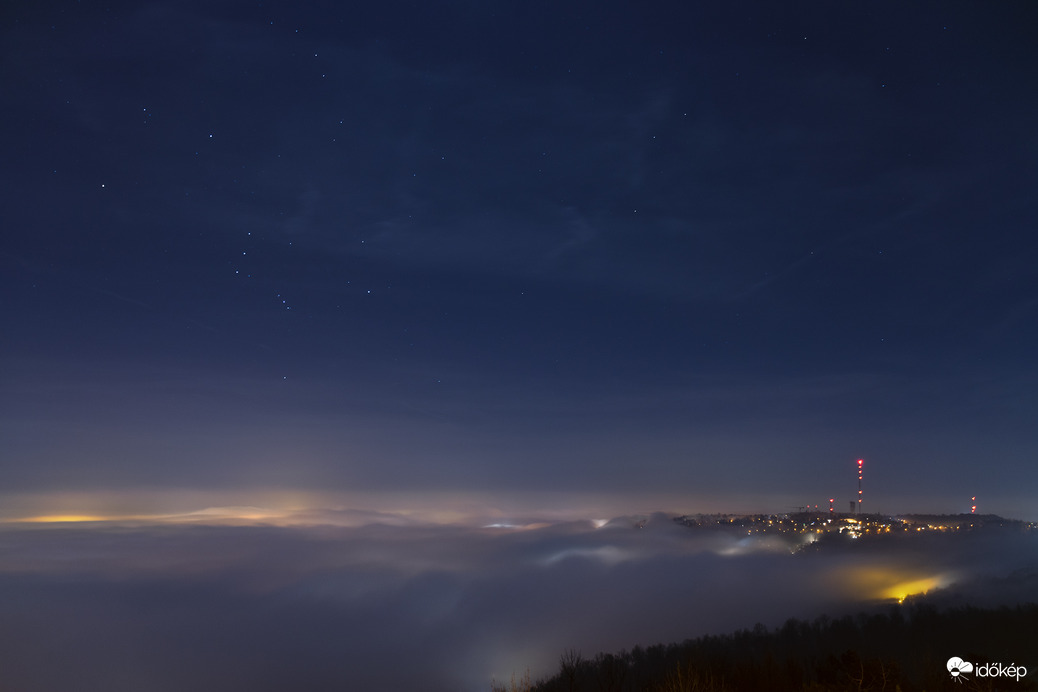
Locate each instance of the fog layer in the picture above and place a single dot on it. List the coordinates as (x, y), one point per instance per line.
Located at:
(432, 607)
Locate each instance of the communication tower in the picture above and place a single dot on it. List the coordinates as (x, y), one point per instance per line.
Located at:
(860, 463)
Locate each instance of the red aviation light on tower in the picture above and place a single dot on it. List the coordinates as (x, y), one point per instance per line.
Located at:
(861, 463)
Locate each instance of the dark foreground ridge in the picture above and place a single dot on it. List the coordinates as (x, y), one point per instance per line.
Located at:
(904, 648)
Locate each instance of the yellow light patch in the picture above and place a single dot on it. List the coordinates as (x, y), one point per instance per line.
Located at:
(62, 518)
(891, 583)
(910, 588)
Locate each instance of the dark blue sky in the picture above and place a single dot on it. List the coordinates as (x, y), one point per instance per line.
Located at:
(694, 257)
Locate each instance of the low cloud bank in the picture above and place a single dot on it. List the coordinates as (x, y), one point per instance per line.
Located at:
(433, 607)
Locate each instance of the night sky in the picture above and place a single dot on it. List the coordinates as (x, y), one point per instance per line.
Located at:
(470, 255)
(322, 319)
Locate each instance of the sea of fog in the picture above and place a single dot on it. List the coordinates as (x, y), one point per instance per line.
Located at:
(409, 605)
